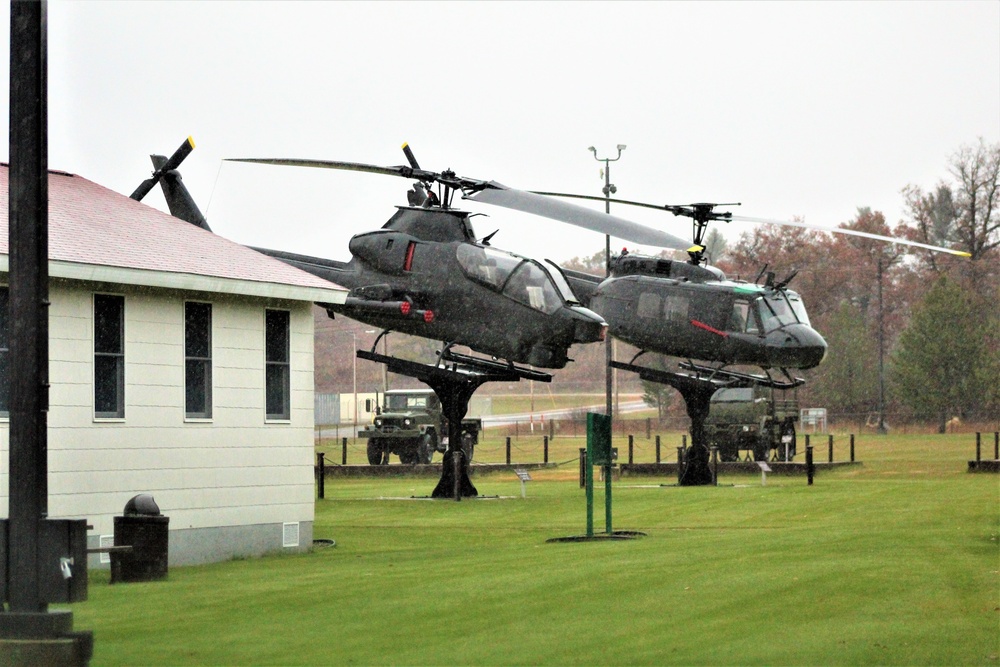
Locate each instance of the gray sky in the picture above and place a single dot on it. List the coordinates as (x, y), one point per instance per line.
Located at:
(794, 109)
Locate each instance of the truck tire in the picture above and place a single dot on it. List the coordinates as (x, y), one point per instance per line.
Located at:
(376, 452)
(425, 450)
(409, 454)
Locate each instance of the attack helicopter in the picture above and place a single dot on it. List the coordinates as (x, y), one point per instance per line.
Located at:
(425, 272)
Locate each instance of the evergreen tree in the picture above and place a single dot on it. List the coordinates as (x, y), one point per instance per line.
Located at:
(848, 378)
(934, 367)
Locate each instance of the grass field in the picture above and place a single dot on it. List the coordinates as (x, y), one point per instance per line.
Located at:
(891, 563)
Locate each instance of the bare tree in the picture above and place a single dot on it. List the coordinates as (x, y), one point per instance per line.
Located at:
(962, 213)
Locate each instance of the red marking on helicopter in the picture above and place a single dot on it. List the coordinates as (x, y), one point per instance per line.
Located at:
(428, 316)
(702, 325)
(405, 307)
(408, 262)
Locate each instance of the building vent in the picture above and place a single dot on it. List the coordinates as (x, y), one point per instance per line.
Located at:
(290, 534)
(106, 541)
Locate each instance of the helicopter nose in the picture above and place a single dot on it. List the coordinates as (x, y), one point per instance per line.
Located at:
(795, 346)
(588, 327)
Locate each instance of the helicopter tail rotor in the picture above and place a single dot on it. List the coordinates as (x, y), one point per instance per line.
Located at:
(169, 165)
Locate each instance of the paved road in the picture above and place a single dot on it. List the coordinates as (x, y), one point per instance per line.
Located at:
(562, 413)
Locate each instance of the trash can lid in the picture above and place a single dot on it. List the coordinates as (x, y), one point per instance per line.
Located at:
(142, 504)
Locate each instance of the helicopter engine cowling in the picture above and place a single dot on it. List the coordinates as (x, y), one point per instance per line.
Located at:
(385, 250)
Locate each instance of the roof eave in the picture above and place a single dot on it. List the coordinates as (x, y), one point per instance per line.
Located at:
(188, 281)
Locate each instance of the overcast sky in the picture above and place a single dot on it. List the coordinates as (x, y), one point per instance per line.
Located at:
(793, 109)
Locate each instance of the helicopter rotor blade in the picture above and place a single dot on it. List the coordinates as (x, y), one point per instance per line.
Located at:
(409, 156)
(404, 172)
(684, 210)
(491, 192)
(548, 207)
(852, 232)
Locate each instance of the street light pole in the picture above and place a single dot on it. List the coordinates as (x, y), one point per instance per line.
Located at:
(608, 190)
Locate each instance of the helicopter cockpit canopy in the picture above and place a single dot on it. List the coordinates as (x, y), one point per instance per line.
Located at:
(774, 309)
(526, 281)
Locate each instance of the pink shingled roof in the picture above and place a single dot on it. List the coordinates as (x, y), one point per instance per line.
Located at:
(90, 224)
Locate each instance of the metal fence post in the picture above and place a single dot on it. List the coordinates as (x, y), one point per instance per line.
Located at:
(545, 448)
(343, 452)
(852, 448)
(810, 468)
(979, 442)
(657, 447)
(831, 448)
(630, 449)
(583, 467)
(321, 474)
(508, 450)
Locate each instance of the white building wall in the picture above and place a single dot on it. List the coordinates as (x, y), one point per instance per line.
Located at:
(228, 483)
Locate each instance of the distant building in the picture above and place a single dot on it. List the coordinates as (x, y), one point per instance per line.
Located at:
(181, 365)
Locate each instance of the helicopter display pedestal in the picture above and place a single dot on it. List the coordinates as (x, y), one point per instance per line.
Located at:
(696, 388)
(696, 393)
(454, 381)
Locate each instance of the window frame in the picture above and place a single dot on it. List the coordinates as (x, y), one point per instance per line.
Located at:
(118, 414)
(4, 352)
(204, 362)
(277, 369)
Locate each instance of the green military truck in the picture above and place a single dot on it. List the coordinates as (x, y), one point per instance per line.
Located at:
(411, 425)
(758, 419)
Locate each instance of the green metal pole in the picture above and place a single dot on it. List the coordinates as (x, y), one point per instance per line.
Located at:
(589, 474)
(607, 498)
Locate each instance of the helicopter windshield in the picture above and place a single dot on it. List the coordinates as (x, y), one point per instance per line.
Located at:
(487, 265)
(532, 286)
(560, 280)
(798, 308)
(775, 311)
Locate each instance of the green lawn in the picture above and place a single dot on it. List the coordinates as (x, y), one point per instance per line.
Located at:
(891, 563)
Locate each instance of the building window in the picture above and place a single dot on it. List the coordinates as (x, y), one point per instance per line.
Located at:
(109, 356)
(277, 367)
(4, 353)
(197, 360)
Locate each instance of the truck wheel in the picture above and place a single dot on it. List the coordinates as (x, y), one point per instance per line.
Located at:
(375, 452)
(728, 453)
(425, 450)
(409, 455)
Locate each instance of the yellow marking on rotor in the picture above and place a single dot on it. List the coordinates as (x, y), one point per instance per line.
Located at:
(191, 142)
(405, 144)
(696, 248)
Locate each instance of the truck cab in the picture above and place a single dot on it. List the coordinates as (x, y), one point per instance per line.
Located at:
(410, 423)
(756, 418)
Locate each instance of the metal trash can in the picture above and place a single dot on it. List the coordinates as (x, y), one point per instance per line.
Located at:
(145, 530)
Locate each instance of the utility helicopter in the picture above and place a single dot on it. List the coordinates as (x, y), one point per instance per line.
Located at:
(690, 310)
